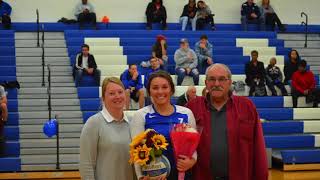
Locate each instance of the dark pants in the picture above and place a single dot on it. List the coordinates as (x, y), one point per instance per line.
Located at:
(245, 21)
(273, 19)
(157, 18)
(280, 85)
(6, 21)
(201, 22)
(78, 73)
(2, 138)
(314, 95)
(181, 72)
(252, 85)
(87, 18)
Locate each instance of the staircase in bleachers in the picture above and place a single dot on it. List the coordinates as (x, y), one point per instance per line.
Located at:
(311, 53)
(38, 152)
(8, 73)
(287, 131)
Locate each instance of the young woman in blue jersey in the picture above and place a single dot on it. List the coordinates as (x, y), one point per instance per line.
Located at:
(161, 116)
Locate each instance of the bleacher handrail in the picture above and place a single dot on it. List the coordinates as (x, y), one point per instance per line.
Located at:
(305, 23)
(42, 57)
(38, 29)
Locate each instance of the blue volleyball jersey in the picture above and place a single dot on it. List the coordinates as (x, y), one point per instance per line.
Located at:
(149, 118)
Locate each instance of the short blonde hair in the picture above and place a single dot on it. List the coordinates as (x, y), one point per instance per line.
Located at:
(106, 81)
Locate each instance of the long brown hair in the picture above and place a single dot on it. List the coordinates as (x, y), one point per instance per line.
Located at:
(163, 75)
(264, 3)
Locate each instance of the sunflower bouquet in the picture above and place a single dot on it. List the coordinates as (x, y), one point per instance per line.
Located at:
(146, 150)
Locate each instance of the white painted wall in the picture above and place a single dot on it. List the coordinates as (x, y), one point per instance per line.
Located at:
(227, 11)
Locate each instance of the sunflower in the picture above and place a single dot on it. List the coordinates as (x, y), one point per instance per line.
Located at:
(159, 141)
(138, 140)
(141, 154)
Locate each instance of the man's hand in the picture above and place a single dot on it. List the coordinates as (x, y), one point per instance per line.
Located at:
(160, 61)
(306, 92)
(135, 75)
(253, 15)
(209, 61)
(203, 46)
(89, 71)
(190, 57)
(188, 70)
(162, 42)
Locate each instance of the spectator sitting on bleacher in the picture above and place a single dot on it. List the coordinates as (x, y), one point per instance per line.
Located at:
(274, 78)
(5, 11)
(204, 16)
(132, 81)
(3, 118)
(203, 50)
(190, 94)
(186, 63)
(291, 66)
(86, 64)
(155, 66)
(189, 15)
(156, 12)
(159, 51)
(85, 14)
(255, 75)
(270, 16)
(250, 13)
(304, 84)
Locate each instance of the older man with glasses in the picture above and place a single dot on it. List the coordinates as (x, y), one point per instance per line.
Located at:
(232, 146)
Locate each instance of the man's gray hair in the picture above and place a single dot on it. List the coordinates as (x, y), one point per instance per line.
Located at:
(225, 67)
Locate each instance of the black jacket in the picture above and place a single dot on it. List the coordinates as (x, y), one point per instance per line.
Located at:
(91, 61)
(273, 73)
(246, 10)
(182, 100)
(253, 72)
(152, 9)
(289, 69)
(187, 11)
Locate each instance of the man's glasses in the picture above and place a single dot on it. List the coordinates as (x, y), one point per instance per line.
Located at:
(220, 80)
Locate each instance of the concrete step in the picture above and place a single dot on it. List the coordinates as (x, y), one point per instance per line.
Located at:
(42, 90)
(46, 143)
(39, 84)
(46, 151)
(37, 61)
(45, 96)
(49, 167)
(298, 36)
(41, 135)
(54, 79)
(48, 159)
(300, 44)
(65, 128)
(44, 115)
(43, 102)
(307, 52)
(62, 121)
(45, 108)
(55, 52)
(47, 43)
(33, 35)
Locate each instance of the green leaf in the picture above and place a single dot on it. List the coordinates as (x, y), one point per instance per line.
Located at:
(158, 152)
(152, 154)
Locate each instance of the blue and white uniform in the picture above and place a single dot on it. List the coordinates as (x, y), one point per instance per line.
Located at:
(149, 118)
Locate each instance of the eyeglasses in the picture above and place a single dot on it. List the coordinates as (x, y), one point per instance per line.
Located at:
(220, 80)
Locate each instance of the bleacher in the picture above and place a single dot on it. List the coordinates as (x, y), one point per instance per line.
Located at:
(287, 131)
(11, 161)
(291, 133)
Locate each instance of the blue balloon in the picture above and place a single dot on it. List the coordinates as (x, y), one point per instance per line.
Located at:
(50, 127)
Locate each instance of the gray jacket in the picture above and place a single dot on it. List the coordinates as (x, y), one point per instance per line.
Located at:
(265, 10)
(182, 60)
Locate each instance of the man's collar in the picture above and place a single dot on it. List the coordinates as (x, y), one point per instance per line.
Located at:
(208, 100)
(109, 118)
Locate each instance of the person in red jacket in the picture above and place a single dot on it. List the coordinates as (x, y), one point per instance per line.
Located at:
(304, 84)
(232, 146)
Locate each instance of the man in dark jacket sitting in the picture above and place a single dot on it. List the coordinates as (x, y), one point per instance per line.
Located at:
(156, 12)
(255, 75)
(250, 13)
(86, 64)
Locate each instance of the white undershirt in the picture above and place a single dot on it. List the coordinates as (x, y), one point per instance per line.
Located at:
(85, 62)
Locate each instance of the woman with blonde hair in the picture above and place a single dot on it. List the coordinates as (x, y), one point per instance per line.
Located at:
(271, 18)
(105, 138)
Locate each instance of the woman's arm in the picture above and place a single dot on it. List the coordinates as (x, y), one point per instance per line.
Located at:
(136, 127)
(89, 148)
